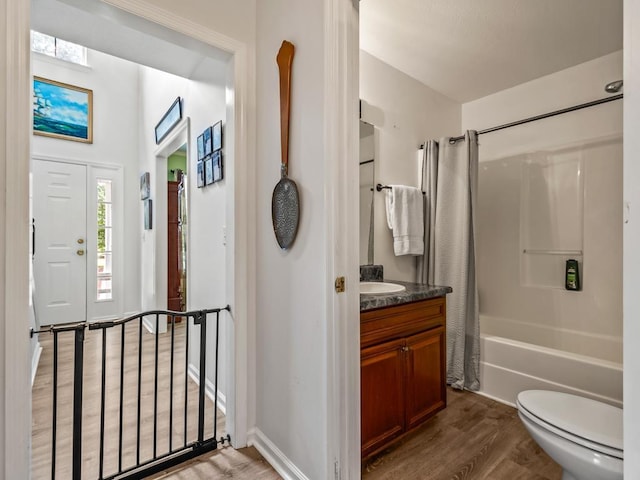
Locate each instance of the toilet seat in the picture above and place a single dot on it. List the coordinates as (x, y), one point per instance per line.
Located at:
(594, 425)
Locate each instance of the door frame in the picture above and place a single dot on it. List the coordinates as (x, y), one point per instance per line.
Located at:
(15, 133)
(178, 137)
(240, 274)
(341, 133)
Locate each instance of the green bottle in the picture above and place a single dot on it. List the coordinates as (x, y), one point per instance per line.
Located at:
(572, 275)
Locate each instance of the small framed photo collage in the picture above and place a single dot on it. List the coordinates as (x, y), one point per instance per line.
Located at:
(210, 169)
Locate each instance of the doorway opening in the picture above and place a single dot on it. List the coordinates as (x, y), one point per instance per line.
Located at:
(149, 266)
(177, 221)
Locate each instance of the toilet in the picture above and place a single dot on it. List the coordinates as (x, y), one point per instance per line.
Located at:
(582, 435)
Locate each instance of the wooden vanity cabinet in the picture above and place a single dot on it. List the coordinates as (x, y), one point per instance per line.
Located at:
(402, 368)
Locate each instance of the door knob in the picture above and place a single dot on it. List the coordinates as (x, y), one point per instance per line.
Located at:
(81, 241)
(80, 252)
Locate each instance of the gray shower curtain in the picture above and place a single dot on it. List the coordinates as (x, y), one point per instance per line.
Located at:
(450, 181)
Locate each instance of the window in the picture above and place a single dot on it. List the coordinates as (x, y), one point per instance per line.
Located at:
(105, 241)
(55, 47)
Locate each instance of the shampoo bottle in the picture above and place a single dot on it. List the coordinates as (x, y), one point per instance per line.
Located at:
(572, 275)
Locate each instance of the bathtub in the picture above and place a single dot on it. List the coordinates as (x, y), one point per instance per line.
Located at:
(510, 366)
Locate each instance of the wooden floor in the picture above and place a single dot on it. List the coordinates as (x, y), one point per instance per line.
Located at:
(225, 462)
(473, 438)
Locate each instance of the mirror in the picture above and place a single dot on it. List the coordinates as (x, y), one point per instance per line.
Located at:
(367, 179)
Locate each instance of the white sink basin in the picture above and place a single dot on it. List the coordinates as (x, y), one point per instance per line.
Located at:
(380, 288)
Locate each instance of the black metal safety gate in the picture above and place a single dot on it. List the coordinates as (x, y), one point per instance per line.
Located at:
(119, 462)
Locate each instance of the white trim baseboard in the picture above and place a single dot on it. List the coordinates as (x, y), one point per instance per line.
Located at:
(272, 454)
(35, 361)
(209, 388)
(147, 324)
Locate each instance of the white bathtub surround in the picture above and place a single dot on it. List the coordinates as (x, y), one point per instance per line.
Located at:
(551, 190)
(572, 340)
(450, 182)
(508, 367)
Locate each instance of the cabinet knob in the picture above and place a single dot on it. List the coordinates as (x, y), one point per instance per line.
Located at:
(80, 252)
(405, 349)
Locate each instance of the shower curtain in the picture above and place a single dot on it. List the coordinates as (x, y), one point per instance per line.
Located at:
(450, 181)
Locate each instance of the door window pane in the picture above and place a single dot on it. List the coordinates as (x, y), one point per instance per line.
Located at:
(104, 267)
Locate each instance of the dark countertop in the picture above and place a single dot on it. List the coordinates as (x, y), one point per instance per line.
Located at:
(413, 293)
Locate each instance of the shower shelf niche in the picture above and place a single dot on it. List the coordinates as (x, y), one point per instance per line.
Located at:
(551, 216)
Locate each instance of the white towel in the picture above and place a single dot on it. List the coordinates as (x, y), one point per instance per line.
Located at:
(406, 219)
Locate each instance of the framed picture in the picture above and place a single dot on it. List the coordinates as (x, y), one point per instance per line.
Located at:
(200, 173)
(207, 141)
(169, 120)
(62, 111)
(208, 170)
(145, 186)
(218, 173)
(217, 136)
(201, 147)
(148, 214)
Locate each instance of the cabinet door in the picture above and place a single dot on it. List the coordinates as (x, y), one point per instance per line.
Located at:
(426, 391)
(382, 397)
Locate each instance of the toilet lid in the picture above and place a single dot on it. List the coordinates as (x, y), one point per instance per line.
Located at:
(594, 421)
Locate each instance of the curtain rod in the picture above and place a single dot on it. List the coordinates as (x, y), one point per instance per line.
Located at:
(540, 117)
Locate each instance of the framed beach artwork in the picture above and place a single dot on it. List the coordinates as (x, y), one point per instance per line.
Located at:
(62, 111)
(200, 173)
(201, 147)
(218, 172)
(208, 170)
(207, 141)
(169, 120)
(216, 136)
(145, 186)
(148, 214)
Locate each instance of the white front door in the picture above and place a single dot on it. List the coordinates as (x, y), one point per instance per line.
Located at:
(60, 260)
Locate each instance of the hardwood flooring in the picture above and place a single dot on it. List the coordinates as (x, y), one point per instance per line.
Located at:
(474, 438)
(154, 435)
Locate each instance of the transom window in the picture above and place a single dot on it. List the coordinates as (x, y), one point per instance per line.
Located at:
(105, 241)
(58, 48)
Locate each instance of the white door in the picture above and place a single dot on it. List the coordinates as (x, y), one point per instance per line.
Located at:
(60, 268)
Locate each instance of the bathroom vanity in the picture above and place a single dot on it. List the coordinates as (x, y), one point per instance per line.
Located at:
(402, 362)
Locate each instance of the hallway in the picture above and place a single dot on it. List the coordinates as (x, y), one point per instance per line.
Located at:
(43, 405)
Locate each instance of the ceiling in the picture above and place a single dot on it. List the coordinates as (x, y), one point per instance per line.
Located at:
(99, 26)
(468, 49)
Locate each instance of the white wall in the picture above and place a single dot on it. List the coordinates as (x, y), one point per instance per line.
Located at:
(204, 104)
(291, 402)
(115, 141)
(631, 238)
(405, 113)
(513, 301)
